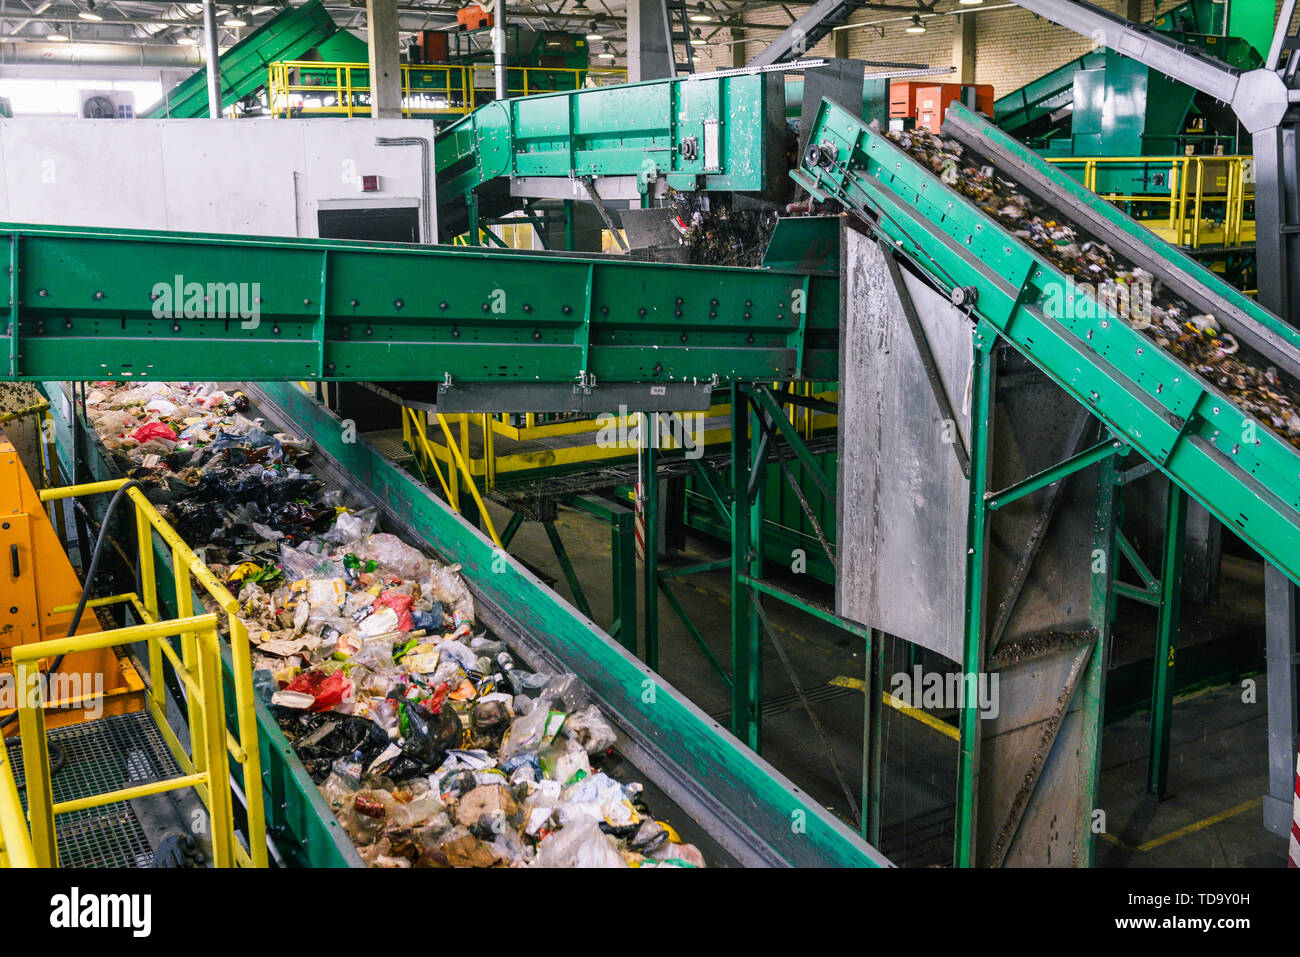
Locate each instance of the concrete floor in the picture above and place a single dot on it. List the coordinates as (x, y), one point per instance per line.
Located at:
(1217, 767)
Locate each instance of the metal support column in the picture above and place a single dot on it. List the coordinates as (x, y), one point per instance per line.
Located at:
(744, 717)
(1162, 681)
(981, 420)
(872, 733)
(385, 59)
(499, 47)
(1283, 658)
(650, 523)
(212, 58)
(1093, 686)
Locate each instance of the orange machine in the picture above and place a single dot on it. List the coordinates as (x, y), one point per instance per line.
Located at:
(474, 17)
(927, 103)
(39, 592)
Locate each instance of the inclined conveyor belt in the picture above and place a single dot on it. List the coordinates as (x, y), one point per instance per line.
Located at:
(1240, 469)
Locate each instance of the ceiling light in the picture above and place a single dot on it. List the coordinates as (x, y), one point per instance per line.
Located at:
(185, 40)
(916, 26)
(54, 36)
(701, 15)
(970, 3)
(89, 13)
(697, 40)
(593, 32)
(605, 54)
(237, 20)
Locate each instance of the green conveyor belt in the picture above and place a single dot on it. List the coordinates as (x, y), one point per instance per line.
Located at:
(1155, 405)
(288, 35)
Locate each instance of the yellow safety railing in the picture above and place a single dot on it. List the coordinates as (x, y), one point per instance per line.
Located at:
(310, 87)
(429, 454)
(467, 468)
(15, 841)
(198, 665)
(1193, 183)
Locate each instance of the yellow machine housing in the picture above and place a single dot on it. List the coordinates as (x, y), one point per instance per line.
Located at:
(39, 591)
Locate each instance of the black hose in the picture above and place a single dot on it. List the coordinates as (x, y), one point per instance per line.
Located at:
(87, 580)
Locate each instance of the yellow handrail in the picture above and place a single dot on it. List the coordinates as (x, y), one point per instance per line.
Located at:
(203, 720)
(208, 774)
(438, 89)
(15, 842)
(1189, 191)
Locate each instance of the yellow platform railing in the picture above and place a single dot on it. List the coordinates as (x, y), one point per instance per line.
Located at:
(461, 469)
(15, 841)
(427, 89)
(198, 665)
(1180, 215)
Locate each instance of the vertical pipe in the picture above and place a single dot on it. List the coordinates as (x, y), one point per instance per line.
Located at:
(499, 46)
(211, 56)
(1162, 681)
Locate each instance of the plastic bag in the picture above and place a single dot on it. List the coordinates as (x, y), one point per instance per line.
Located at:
(580, 844)
(589, 728)
(394, 556)
(352, 526)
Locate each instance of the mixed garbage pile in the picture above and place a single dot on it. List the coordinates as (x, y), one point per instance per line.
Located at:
(430, 741)
(718, 234)
(1194, 339)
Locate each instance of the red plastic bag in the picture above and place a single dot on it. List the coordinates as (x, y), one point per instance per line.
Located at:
(401, 604)
(153, 430)
(328, 691)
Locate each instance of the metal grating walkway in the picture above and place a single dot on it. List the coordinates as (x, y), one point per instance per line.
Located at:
(103, 755)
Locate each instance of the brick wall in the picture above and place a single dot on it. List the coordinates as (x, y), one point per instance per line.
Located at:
(1012, 45)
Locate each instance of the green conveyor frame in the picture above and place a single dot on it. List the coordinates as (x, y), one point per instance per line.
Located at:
(708, 132)
(1151, 402)
(288, 35)
(91, 303)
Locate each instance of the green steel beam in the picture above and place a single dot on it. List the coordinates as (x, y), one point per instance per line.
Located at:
(1162, 683)
(649, 492)
(102, 304)
(1184, 425)
(288, 35)
(1061, 470)
(622, 555)
(566, 568)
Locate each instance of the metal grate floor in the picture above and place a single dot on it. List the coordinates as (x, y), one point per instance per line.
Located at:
(103, 755)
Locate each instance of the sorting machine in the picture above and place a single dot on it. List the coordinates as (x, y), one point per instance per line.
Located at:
(1001, 530)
